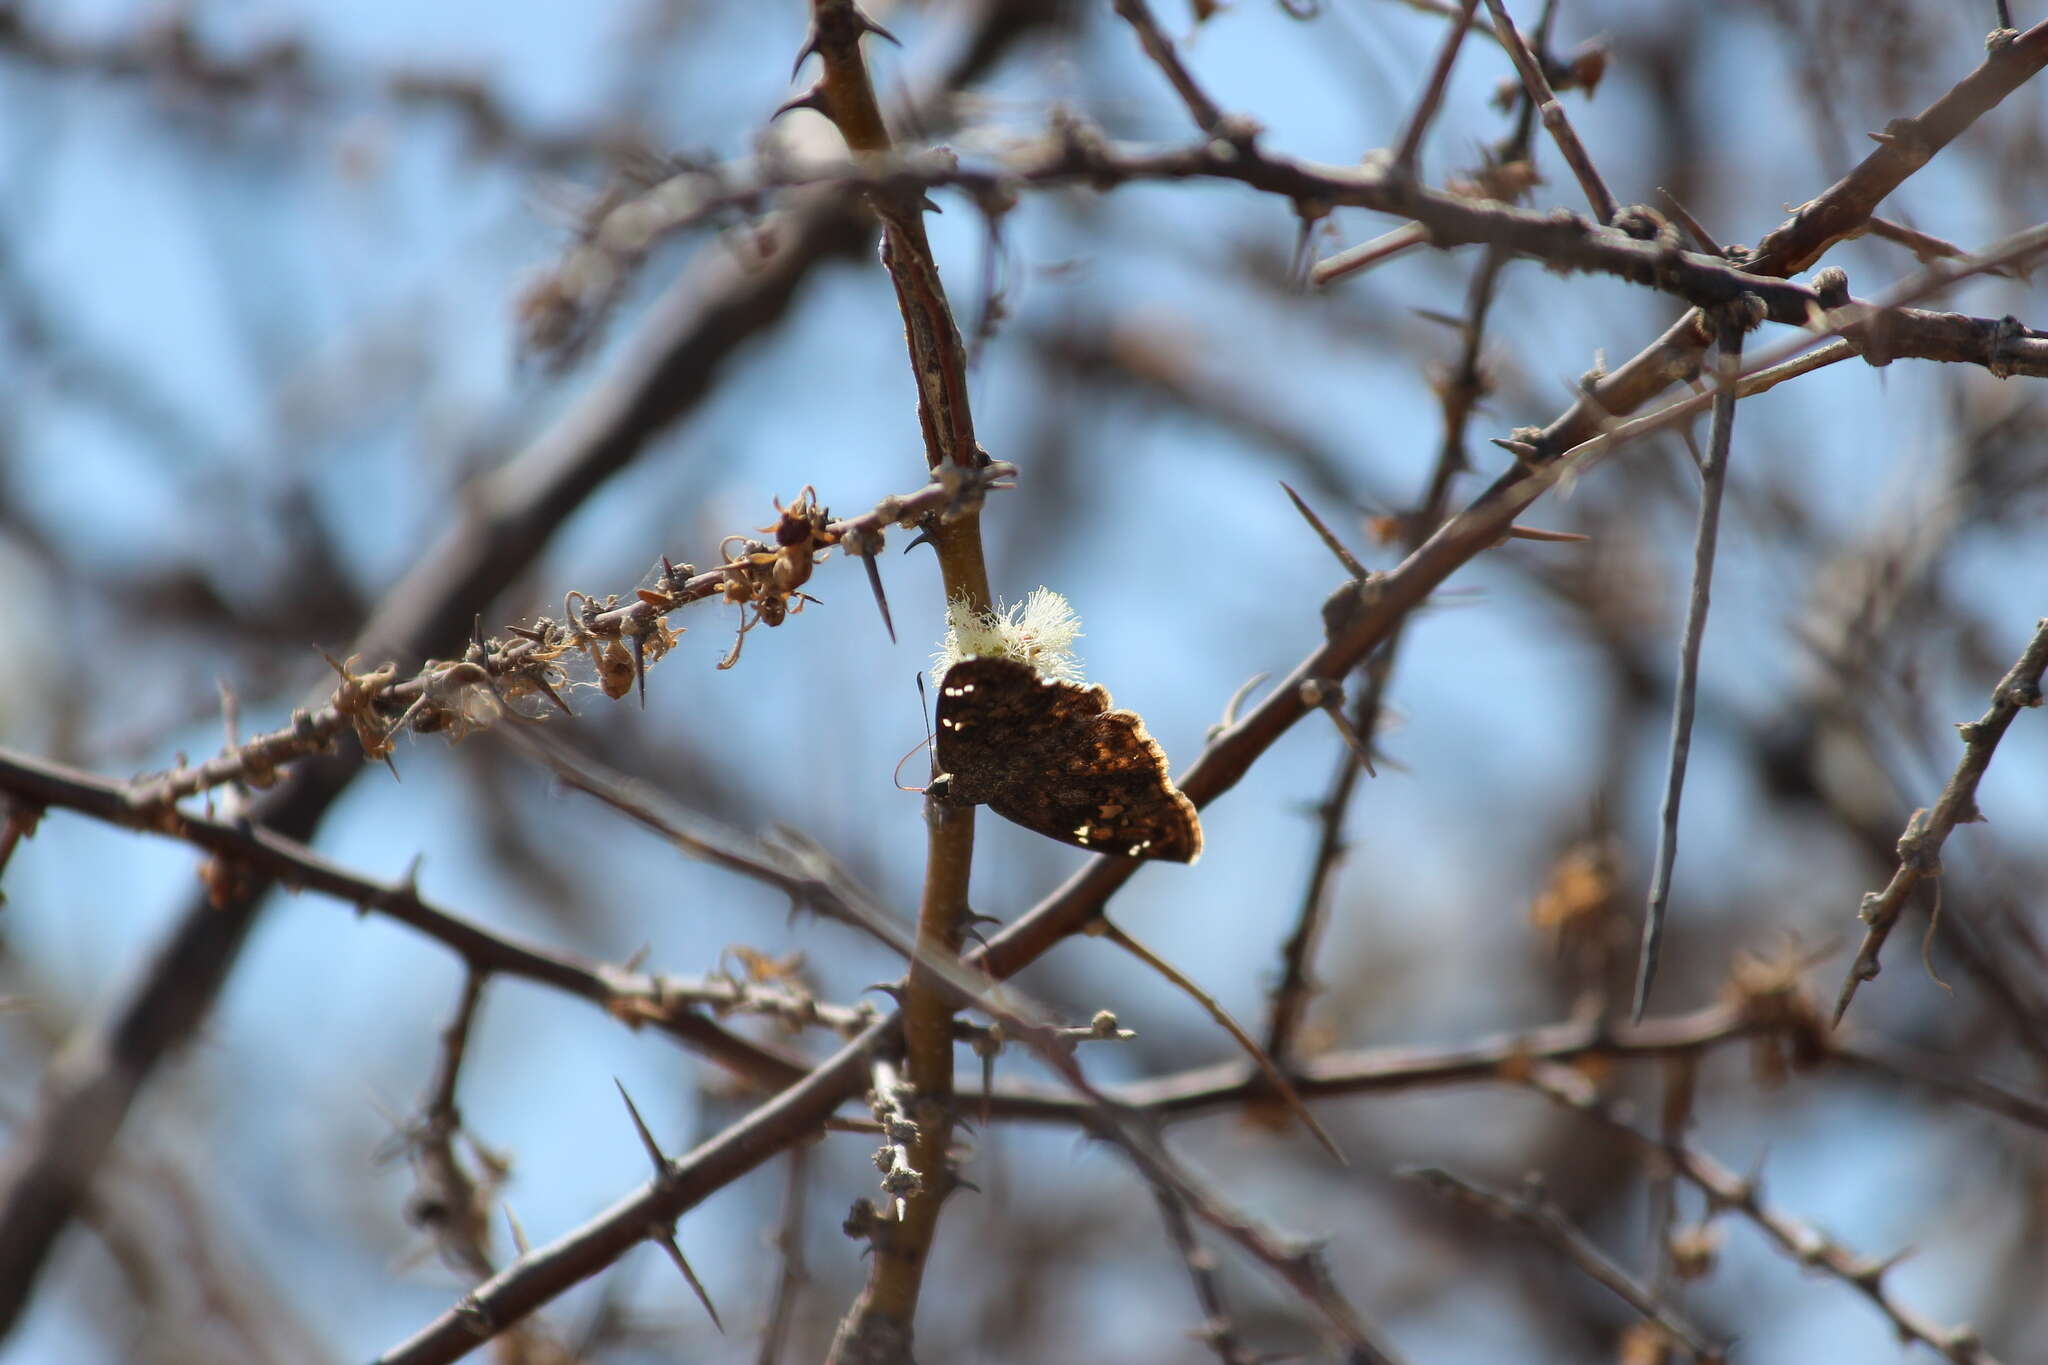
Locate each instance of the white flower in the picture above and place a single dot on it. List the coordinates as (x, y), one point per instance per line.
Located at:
(1039, 631)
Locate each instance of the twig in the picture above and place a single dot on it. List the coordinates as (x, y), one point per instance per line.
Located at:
(453, 1206)
(377, 705)
(1535, 1210)
(1214, 1009)
(1296, 987)
(1920, 845)
(1681, 1088)
(1208, 117)
(1219, 1330)
(1449, 9)
(1352, 259)
(1226, 1086)
(789, 1246)
(1940, 1075)
(1077, 155)
(1552, 113)
(631, 996)
(1713, 479)
(1410, 145)
(1298, 1265)
(1801, 1241)
(799, 868)
(1926, 248)
(879, 1324)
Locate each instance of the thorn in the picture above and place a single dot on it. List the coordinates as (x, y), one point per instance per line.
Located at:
(646, 1140)
(1344, 556)
(1700, 236)
(230, 710)
(803, 54)
(675, 1253)
(1525, 454)
(638, 958)
(1536, 533)
(1328, 697)
(549, 693)
(881, 598)
(1239, 697)
(870, 26)
(1456, 324)
(640, 667)
(812, 99)
(519, 1242)
(923, 536)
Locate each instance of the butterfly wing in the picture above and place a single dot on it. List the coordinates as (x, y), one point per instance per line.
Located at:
(1109, 793)
(997, 717)
(1052, 756)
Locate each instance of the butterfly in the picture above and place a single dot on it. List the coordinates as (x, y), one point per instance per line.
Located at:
(1053, 757)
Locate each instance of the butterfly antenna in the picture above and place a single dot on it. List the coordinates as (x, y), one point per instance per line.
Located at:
(897, 776)
(925, 706)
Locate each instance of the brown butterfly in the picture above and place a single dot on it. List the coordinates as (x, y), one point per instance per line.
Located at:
(1052, 756)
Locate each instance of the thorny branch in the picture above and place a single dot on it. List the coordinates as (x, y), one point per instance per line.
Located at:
(620, 634)
(1534, 1209)
(1928, 830)
(1537, 84)
(1218, 1331)
(878, 1328)
(1728, 1192)
(1074, 154)
(450, 1203)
